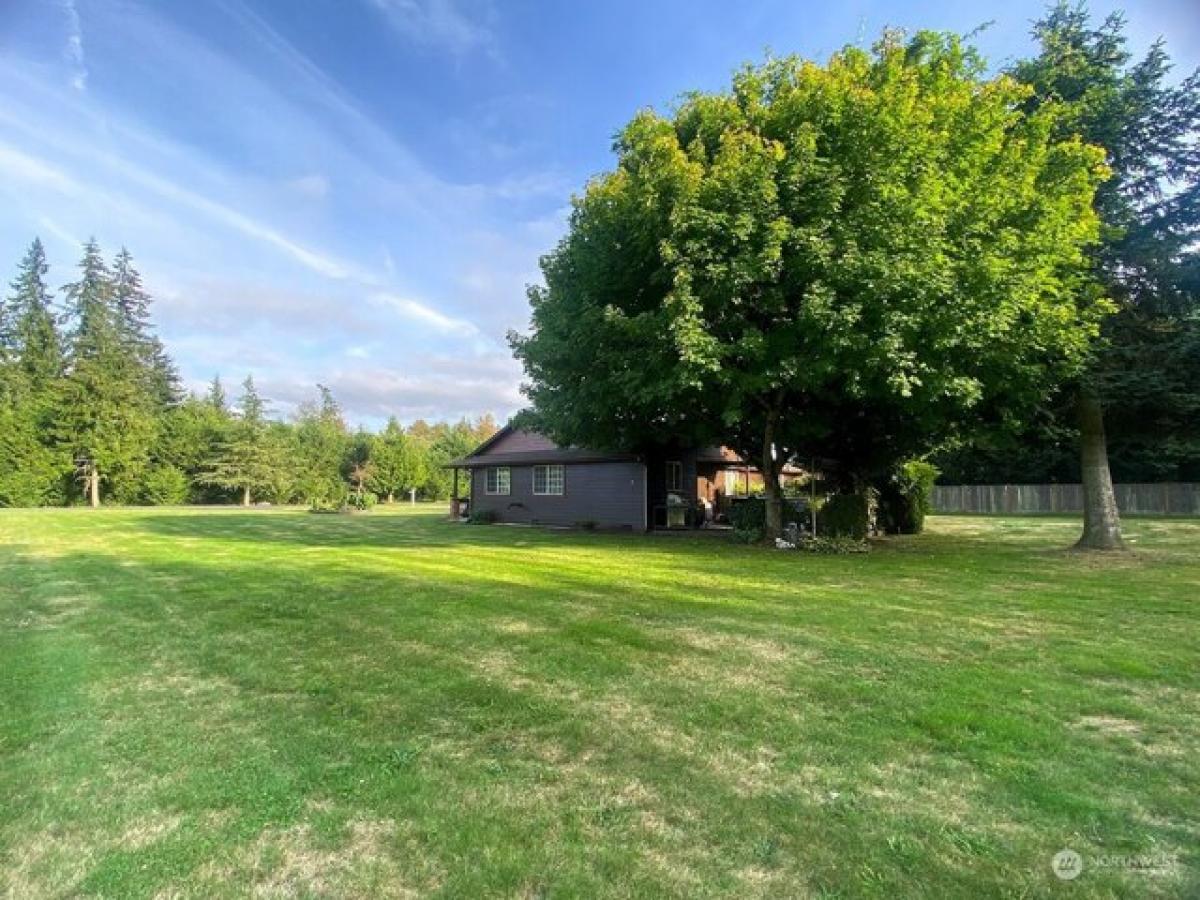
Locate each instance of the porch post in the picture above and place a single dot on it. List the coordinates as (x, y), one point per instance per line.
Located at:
(454, 504)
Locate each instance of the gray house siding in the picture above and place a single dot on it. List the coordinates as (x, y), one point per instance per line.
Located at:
(605, 494)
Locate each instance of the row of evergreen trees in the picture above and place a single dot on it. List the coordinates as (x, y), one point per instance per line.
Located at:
(92, 410)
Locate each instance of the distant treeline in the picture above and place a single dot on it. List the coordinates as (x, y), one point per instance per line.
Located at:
(92, 410)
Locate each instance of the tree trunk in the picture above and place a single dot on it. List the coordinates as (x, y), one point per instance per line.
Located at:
(774, 496)
(1101, 519)
(93, 480)
(246, 495)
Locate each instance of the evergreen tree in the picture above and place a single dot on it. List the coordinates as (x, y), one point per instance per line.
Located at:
(191, 435)
(29, 332)
(133, 306)
(104, 420)
(1144, 379)
(216, 395)
(31, 470)
(322, 441)
(398, 463)
(248, 460)
(450, 442)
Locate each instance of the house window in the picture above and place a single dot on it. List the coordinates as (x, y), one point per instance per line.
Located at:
(736, 483)
(496, 480)
(548, 480)
(674, 476)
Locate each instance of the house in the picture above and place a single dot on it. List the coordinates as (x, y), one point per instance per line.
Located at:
(524, 477)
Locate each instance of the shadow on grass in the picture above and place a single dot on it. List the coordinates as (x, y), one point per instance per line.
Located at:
(542, 704)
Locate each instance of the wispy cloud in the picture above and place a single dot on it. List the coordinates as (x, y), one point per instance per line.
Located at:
(23, 167)
(90, 157)
(74, 49)
(443, 23)
(48, 225)
(423, 314)
(295, 232)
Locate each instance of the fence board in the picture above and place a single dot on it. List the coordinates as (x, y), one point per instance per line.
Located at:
(1164, 499)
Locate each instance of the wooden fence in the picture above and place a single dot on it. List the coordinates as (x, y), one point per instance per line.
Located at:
(1165, 499)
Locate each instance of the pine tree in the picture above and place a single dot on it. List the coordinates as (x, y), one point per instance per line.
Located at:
(216, 395)
(133, 305)
(29, 333)
(397, 462)
(1150, 215)
(322, 441)
(104, 419)
(249, 459)
(31, 471)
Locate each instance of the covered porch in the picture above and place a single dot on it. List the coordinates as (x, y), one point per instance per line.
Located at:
(697, 489)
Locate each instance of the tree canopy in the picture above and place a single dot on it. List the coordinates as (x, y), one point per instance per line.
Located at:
(859, 256)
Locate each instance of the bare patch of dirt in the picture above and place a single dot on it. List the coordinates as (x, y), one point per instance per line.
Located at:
(147, 831)
(292, 862)
(517, 626)
(1110, 725)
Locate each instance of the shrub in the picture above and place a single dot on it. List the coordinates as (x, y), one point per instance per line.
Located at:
(748, 535)
(363, 501)
(751, 514)
(482, 517)
(845, 515)
(164, 486)
(906, 498)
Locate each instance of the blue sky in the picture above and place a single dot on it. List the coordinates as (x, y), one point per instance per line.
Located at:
(355, 192)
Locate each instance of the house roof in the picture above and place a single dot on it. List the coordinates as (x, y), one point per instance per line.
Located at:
(541, 451)
(534, 449)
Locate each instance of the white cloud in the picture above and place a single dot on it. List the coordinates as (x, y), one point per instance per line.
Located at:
(50, 226)
(89, 155)
(74, 48)
(473, 386)
(423, 314)
(439, 23)
(250, 271)
(27, 168)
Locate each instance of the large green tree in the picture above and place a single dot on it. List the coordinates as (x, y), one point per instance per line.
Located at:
(859, 256)
(1144, 378)
(105, 420)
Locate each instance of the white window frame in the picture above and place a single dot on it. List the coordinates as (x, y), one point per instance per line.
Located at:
(674, 476)
(495, 471)
(735, 483)
(549, 484)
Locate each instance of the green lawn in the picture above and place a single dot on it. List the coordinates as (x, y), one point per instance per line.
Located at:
(209, 703)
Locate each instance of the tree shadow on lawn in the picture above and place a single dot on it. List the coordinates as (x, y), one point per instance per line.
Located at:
(570, 733)
(974, 554)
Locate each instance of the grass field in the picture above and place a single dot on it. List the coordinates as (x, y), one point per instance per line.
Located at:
(214, 703)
